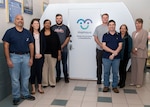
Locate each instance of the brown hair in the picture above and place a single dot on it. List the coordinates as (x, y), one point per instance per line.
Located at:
(126, 28)
(31, 28)
(104, 15)
(140, 20)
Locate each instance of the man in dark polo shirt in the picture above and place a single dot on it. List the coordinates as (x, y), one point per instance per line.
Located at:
(112, 44)
(19, 48)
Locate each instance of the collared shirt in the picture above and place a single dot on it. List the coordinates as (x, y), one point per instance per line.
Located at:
(112, 41)
(18, 41)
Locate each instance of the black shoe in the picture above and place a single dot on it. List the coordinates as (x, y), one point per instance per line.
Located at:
(99, 82)
(122, 85)
(66, 80)
(29, 97)
(58, 79)
(45, 86)
(16, 101)
(52, 86)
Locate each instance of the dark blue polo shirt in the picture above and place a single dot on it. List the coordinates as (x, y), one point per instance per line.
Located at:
(18, 41)
(112, 41)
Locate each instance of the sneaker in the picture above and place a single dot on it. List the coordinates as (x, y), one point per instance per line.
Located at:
(115, 90)
(29, 97)
(105, 89)
(16, 101)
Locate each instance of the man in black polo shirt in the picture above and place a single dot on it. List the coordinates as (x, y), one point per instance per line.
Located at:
(19, 48)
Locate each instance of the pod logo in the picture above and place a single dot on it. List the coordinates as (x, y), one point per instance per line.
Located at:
(84, 24)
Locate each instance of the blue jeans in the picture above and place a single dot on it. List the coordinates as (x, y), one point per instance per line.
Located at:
(115, 70)
(64, 55)
(20, 74)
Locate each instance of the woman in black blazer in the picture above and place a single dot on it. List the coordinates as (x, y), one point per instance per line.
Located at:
(51, 54)
(39, 48)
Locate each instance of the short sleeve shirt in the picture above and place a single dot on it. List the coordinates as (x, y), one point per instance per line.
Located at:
(99, 32)
(63, 32)
(112, 41)
(18, 41)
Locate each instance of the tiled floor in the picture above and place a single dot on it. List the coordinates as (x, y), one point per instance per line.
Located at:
(81, 93)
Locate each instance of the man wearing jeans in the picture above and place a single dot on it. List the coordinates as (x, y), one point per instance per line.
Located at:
(18, 48)
(112, 44)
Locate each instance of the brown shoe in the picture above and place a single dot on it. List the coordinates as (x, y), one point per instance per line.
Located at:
(33, 92)
(115, 90)
(105, 89)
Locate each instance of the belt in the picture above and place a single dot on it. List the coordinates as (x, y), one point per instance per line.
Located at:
(20, 53)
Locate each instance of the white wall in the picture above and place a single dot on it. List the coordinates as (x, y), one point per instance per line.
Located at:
(138, 8)
(37, 13)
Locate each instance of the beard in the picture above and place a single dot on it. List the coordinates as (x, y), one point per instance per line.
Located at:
(59, 23)
(20, 24)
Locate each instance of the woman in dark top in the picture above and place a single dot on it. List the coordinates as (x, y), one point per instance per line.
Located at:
(39, 48)
(125, 54)
(52, 52)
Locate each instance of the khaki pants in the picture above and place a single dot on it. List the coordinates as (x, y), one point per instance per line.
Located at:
(49, 72)
(137, 70)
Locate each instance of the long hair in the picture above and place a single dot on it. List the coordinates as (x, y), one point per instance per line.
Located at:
(31, 28)
(126, 28)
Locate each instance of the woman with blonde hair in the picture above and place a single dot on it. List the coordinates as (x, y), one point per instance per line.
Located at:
(139, 53)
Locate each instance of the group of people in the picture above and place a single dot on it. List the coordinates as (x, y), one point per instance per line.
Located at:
(114, 51)
(34, 54)
(42, 51)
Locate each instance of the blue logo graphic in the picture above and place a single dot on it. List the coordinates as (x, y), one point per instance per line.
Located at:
(84, 24)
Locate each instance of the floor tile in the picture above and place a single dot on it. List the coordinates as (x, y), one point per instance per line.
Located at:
(89, 104)
(59, 102)
(90, 98)
(130, 91)
(103, 104)
(77, 88)
(104, 99)
(76, 98)
(106, 94)
(120, 105)
(136, 105)
(73, 103)
(83, 93)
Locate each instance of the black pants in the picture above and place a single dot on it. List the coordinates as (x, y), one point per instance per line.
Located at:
(64, 63)
(36, 70)
(99, 64)
(122, 71)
